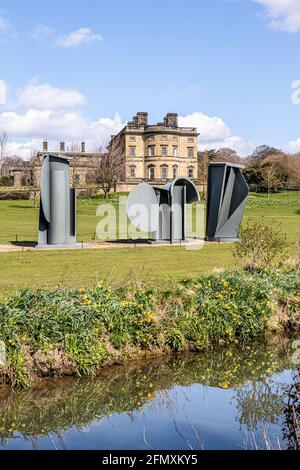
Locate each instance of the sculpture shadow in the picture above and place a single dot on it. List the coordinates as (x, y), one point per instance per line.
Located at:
(24, 243)
(140, 241)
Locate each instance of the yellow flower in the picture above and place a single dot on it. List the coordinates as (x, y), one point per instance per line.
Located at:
(224, 385)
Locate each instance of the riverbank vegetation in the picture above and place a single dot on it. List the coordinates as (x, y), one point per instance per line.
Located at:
(76, 331)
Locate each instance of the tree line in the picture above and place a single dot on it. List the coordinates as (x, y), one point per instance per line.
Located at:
(267, 169)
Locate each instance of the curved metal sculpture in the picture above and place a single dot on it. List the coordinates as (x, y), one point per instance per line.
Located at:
(57, 221)
(227, 194)
(162, 211)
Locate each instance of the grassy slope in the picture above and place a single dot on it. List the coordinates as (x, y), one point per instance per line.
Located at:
(84, 268)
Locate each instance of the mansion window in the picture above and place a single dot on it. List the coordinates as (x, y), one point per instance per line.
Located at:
(164, 151)
(151, 151)
(175, 151)
(151, 173)
(191, 172)
(151, 137)
(164, 137)
(132, 138)
(132, 151)
(76, 179)
(175, 168)
(175, 138)
(190, 152)
(164, 172)
(132, 172)
(190, 140)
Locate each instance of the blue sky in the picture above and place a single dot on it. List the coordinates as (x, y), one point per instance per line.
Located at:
(226, 66)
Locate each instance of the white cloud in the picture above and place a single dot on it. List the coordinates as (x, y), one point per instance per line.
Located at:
(2, 92)
(215, 133)
(4, 23)
(283, 15)
(69, 126)
(55, 125)
(44, 96)
(78, 37)
(51, 113)
(23, 149)
(294, 146)
(42, 31)
(211, 128)
(241, 146)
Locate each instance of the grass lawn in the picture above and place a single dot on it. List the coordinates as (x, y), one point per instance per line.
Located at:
(155, 264)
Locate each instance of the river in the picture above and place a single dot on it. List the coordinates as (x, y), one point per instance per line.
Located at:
(230, 398)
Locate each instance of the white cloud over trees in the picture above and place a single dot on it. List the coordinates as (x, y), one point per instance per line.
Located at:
(44, 111)
(215, 133)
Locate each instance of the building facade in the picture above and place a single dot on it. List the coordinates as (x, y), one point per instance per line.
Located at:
(82, 165)
(158, 152)
(154, 153)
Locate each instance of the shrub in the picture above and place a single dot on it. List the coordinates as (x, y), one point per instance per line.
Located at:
(15, 195)
(261, 246)
(6, 181)
(233, 305)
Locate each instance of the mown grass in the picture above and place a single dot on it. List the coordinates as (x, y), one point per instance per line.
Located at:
(156, 265)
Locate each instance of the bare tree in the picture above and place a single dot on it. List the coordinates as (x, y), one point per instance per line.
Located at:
(273, 176)
(3, 144)
(109, 167)
(75, 149)
(33, 176)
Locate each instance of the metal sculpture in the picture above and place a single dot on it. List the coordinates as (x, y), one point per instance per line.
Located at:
(162, 211)
(57, 220)
(227, 193)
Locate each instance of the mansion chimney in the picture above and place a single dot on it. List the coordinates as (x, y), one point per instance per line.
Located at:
(62, 146)
(82, 147)
(45, 145)
(142, 119)
(171, 120)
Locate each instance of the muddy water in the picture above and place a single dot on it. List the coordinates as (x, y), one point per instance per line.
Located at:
(229, 398)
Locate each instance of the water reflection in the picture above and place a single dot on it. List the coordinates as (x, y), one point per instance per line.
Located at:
(228, 398)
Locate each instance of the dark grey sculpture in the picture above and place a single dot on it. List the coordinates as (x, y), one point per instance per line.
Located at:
(227, 193)
(57, 221)
(162, 211)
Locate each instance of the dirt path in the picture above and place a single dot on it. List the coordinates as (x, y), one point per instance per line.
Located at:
(102, 245)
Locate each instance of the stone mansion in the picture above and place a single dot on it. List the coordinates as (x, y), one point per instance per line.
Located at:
(157, 152)
(154, 153)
